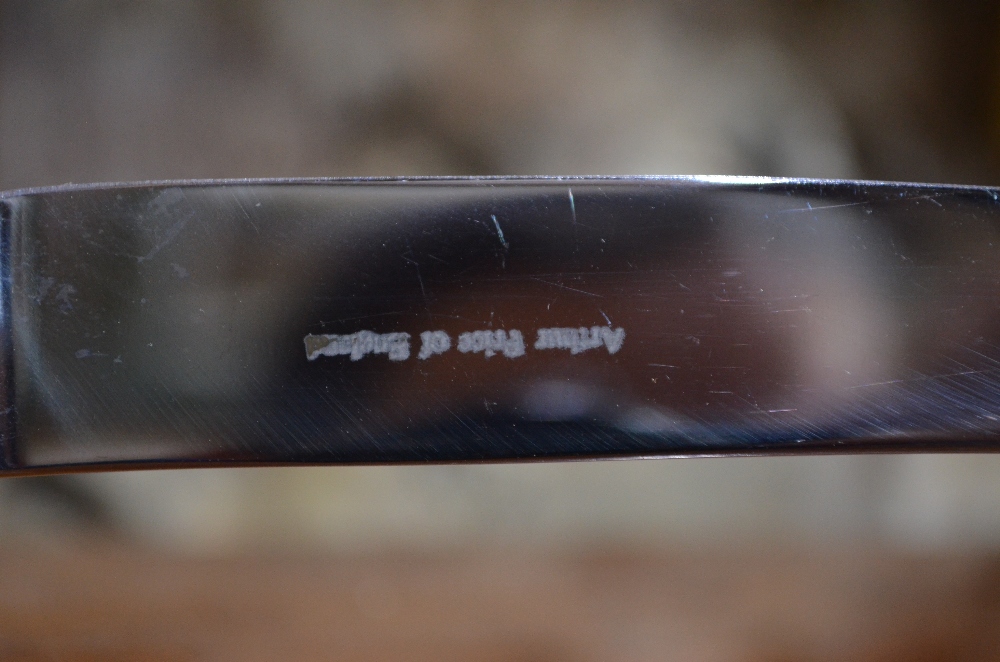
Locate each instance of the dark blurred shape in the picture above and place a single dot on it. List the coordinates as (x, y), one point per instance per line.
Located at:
(918, 82)
(126, 91)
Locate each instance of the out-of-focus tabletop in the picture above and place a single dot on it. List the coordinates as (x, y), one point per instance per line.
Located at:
(95, 600)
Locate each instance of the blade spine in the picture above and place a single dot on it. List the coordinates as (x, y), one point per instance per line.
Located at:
(711, 181)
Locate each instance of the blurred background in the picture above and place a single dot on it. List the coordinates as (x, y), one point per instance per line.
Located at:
(887, 558)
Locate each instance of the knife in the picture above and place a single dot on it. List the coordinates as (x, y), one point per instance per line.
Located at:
(265, 322)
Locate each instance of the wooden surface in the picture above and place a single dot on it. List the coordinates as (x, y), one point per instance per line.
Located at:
(100, 601)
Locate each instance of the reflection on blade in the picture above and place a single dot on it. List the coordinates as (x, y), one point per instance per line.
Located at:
(452, 319)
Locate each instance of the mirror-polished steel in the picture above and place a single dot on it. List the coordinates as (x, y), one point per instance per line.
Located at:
(439, 320)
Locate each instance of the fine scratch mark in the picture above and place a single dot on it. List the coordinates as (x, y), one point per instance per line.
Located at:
(171, 234)
(420, 279)
(605, 315)
(506, 246)
(503, 241)
(925, 378)
(239, 203)
(809, 207)
(566, 287)
(161, 206)
(572, 211)
(891, 381)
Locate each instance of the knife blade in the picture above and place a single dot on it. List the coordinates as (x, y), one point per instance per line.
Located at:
(208, 323)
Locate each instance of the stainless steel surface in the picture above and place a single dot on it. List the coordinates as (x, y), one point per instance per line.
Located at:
(495, 319)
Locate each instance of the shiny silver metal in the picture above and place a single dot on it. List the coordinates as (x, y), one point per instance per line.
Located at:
(445, 320)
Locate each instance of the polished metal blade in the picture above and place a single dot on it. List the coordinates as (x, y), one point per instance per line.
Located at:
(444, 320)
